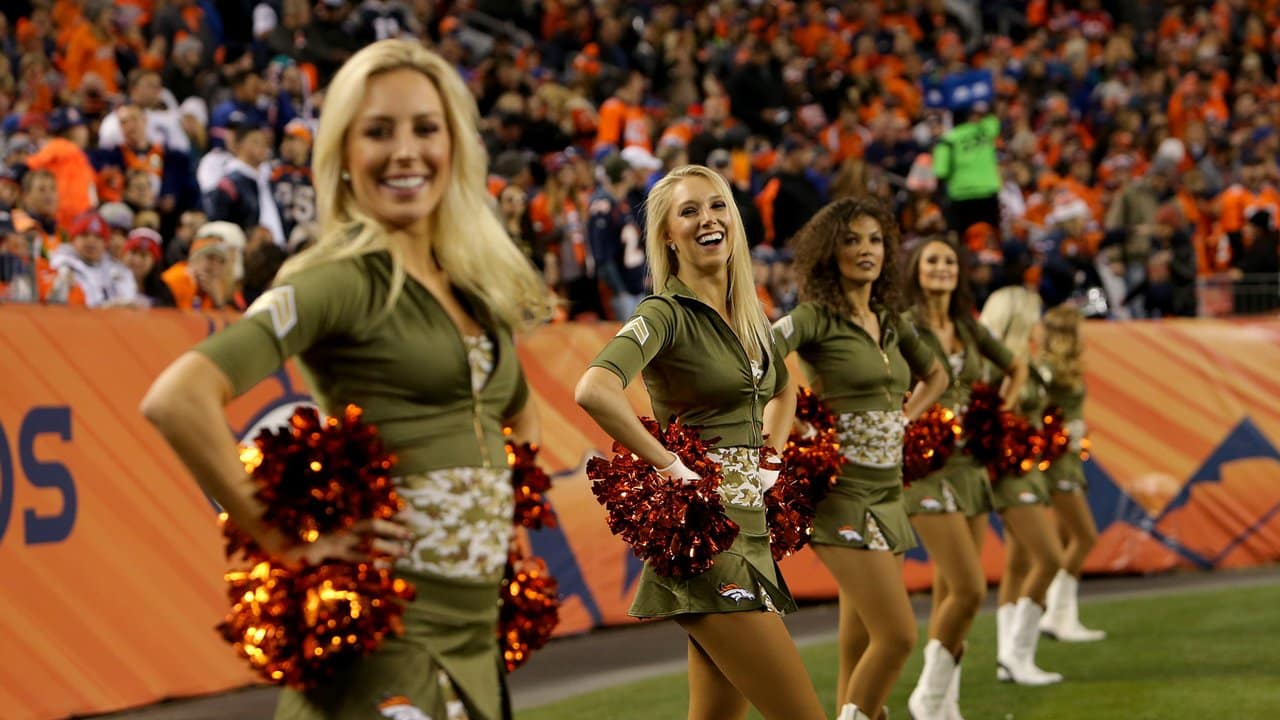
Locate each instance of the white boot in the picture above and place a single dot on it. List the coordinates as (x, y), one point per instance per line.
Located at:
(1062, 615)
(1004, 630)
(951, 702)
(1019, 660)
(928, 698)
(851, 712)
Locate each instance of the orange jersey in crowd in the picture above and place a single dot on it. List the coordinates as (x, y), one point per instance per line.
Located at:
(1237, 203)
(87, 54)
(73, 173)
(622, 125)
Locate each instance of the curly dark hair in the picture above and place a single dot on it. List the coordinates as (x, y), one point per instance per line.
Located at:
(815, 247)
(961, 308)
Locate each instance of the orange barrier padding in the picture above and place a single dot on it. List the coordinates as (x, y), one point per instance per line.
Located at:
(112, 562)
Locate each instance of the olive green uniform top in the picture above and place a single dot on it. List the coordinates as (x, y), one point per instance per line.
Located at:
(696, 370)
(408, 370)
(967, 366)
(1066, 474)
(864, 383)
(694, 367)
(411, 371)
(961, 485)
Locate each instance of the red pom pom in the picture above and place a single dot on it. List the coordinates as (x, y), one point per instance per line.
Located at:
(1019, 447)
(300, 626)
(928, 443)
(533, 509)
(316, 477)
(983, 426)
(530, 609)
(1055, 436)
(677, 528)
(811, 465)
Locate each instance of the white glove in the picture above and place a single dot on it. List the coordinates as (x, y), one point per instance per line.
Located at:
(807, 431)
(1076, 430)
(768, 478)
(677, 471)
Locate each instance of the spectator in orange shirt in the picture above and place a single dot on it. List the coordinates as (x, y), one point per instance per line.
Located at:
(91, 49)
(64, 156)
(199, 282)
(623, 122)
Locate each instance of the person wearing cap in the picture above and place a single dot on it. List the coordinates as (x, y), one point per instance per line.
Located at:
(142, 254)
(243, 195)
(80, 272)
(240, 109)
(291, 187)
(200, 282)
(613, 235)
(406, 306)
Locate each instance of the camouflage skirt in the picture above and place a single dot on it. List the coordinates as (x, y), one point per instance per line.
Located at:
(745, 576)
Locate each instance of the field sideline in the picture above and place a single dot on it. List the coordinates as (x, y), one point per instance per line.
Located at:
(1203, 653)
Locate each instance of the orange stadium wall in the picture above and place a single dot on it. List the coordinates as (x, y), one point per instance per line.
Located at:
(111, 563)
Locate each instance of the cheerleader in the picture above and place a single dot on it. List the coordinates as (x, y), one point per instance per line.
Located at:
(406, 307)
(949, 508)
(862, 356)
(1032, 553)
(703, 346)
(1063, 360)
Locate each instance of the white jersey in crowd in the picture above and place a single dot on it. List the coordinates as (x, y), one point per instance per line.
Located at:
(104, 284)
(164, 126)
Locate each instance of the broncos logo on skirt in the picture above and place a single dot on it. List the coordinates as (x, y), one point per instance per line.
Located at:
(736, 592)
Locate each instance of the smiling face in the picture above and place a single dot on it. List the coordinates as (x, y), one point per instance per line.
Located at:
(939, 268)
(698, 225)
(398, 150)
(860, 254)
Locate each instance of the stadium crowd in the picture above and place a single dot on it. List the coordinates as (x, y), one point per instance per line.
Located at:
(155, 152)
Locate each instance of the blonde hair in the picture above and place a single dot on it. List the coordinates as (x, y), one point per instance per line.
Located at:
(468, 241)
(745, 312)
(1011, 314)
(1063, 350)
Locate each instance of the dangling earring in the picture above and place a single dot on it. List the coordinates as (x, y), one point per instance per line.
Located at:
(346, 176)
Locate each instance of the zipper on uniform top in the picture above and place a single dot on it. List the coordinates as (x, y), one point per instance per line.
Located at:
(475, 420)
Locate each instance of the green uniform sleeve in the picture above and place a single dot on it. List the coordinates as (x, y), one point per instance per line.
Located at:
(782, 375)
(914, 348)
(794, 331)
(322, 302)
(645, 335)
(520, 397)
(991, 348)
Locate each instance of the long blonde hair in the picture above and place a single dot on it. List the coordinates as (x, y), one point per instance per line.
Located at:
(1063, 349)
(468, 241)
(1011, 314)
(745, 312)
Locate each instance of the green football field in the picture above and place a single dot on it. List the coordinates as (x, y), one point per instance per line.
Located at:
(1201, 654)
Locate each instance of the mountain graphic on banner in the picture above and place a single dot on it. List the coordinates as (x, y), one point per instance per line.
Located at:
(1227, 513)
